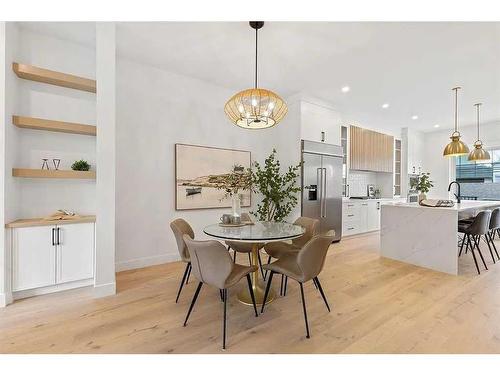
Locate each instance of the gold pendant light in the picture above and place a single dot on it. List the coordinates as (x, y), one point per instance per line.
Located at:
(456, 147)
(478, 153)
(255, 108)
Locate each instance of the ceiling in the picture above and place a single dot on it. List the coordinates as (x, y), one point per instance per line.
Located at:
(411, 66)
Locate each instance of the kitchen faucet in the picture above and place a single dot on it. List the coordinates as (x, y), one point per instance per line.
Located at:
(458, 190)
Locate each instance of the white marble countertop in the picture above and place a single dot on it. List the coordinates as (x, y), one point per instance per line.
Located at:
(462, 206)
(347, 199)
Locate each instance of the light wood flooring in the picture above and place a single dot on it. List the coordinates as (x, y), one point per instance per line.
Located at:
(378, 306)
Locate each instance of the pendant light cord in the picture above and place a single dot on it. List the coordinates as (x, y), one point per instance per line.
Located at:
(477, 109)
(256, 42)
(456, 108)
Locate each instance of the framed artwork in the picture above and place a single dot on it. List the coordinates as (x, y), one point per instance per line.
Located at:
(197, 168)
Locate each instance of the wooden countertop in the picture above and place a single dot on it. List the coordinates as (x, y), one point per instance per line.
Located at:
(37, 222)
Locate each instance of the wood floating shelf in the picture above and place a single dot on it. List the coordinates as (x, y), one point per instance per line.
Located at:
(52, 173)
(40, 222)
(53, 126)
(51, 77)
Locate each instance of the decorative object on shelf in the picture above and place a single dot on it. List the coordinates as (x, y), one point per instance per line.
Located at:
(80, 165)
(478, 153)
(208, 177)
(279, 190)
(45, 164)
(62, 215)
(56, 163)
(378, 194)
(422, 183)
(256, 108)
(456, 147)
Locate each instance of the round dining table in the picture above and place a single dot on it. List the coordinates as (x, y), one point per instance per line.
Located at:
(257, 233)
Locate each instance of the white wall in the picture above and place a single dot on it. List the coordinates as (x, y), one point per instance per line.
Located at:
(442, 169)
(155, 110)
(41, 197)
(104, 281)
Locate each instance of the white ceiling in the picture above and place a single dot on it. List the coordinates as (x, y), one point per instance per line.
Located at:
(411, 66)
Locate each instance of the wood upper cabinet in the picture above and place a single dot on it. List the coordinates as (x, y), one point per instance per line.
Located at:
(371, 151)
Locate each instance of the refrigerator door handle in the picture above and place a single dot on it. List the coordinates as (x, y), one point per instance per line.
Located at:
(325, 190)
(319, 182)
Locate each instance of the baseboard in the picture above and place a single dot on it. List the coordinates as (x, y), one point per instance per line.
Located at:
(5, 299)
(104, 290)
(145, 262)
(52, 289)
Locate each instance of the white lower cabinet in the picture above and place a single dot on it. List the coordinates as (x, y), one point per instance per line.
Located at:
(47, 256)
(360, 216)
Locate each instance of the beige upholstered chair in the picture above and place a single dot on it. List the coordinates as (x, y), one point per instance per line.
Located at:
(181, 227)
(241, 247)
(278, 249)
(211, 264)
(302, 266)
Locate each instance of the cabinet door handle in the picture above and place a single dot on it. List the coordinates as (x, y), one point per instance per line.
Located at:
(58, 237)
(350, 205)
(53, 236)
(351, 215)
(364, 204)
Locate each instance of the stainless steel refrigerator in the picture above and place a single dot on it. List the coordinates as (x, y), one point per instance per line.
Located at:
(322, 185)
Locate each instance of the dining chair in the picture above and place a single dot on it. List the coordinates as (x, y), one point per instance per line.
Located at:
(212, 265)
(494, 227)
(472, 235)
(242, 247)
(302, 266)
(180, 227)
(278, 249)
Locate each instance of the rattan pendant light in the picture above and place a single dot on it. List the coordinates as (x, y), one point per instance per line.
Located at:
(478, 153)
(255, 108)
(456, 147)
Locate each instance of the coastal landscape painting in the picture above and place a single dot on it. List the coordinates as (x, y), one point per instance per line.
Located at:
(199, 171)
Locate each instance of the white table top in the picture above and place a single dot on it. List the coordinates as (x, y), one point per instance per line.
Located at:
(462, 206)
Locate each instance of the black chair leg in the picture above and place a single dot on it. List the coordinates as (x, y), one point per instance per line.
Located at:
(473, 253)
(489, 247)
(224, 292)
(193, 302)
(260, 265)
(189, 274)
(281, 285)
(182, 281)
(221, 295)
(462, 246)
(268, 262)
(268, 286)
(250, 289)
(304, 307)
(234, 256)
(316, 280)
(480, 254)
(286, 284)
(494, 246)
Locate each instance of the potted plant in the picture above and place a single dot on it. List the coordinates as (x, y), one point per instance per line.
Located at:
(233, 183)
(279, 190)
(80, 165)
(422, 184)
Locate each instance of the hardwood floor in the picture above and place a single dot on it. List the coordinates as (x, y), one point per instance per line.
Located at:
(378, 306)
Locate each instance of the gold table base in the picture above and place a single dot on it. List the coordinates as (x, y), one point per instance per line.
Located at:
(258, 286)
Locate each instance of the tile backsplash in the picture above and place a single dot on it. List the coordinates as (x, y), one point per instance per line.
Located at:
(359, 179)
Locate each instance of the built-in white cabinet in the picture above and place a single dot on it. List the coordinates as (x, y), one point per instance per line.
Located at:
(414, 142)
(44, 256)
(318, 118)
(360, 216)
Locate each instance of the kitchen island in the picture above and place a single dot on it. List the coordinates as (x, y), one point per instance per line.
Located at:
(425, 236)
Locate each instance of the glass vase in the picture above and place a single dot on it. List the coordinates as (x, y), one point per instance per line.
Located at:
(236, 205)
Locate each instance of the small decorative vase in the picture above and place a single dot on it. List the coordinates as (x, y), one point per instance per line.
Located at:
(421, 197)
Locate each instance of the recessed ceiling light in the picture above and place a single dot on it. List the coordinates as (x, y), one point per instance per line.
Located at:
(414, 117)
(346, 89)
(436, 126)
(385, 105)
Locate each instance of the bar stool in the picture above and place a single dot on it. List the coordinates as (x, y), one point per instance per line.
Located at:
(472, 233)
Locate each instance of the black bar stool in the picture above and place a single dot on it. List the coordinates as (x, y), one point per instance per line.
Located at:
(480, 226)
(494, 228)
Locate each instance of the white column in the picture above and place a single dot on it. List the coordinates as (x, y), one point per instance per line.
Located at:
(3, 253)
(106, 159)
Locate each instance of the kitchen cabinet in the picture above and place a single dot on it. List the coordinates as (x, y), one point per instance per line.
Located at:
(51, 255)
(414, 141)
(370, 150)
(360, 216)
(315, 118)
